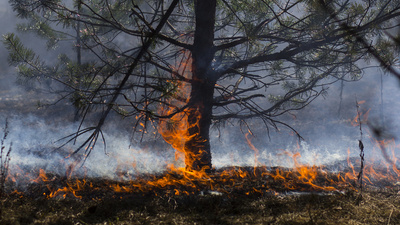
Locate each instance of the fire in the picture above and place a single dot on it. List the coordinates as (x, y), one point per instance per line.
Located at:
(360, 117)
(175, 127)
(256, 152)
(258, 179)
(72, 188)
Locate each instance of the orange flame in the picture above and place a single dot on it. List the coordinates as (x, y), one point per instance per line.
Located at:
(175, 127)
(357, 120)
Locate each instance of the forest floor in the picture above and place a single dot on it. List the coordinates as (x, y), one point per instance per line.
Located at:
(232, 195)
(376, 207)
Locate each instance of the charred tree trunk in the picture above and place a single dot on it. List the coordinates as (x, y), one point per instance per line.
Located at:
(197, 148)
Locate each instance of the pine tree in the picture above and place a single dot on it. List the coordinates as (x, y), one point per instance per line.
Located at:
(184, 65)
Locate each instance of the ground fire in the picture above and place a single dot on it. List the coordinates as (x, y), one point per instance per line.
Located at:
(336, 185)
(258, 179)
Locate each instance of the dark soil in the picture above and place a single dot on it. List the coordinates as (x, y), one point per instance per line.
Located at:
(242, 198)
(376, 207)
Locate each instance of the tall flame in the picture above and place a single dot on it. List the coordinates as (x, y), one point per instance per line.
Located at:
(175, 127)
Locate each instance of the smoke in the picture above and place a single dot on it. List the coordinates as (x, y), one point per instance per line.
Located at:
(7, 25)
(35, 146)
(35, 143)
(329, 137)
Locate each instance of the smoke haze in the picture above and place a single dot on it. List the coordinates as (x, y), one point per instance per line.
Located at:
(328, 135)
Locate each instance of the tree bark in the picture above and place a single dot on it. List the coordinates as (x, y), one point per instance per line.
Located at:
(197, 148)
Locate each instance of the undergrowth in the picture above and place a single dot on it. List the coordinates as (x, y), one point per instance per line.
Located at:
(4, 163)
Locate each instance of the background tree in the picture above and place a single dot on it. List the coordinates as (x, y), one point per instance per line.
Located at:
(183, 65)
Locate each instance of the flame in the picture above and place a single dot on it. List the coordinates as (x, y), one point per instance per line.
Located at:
(246, 180)
(357, 120)
(174, 128)
(72, 188)
(256, 152)
(258, 179)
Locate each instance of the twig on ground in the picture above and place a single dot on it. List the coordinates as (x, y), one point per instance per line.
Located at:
(390, 215)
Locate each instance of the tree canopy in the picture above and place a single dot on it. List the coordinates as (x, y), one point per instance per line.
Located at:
(181, 66)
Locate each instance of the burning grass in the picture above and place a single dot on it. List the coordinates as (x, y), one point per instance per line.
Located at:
(160, 207)
(235, 195)
(177, 181)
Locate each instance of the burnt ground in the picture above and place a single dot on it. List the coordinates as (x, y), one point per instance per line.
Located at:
(376, 207)
(248, 197)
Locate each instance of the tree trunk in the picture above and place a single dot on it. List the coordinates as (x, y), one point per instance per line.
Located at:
(197, 148)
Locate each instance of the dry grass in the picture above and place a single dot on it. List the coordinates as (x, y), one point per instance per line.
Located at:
(377, 207)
